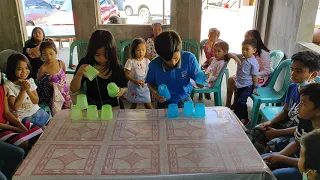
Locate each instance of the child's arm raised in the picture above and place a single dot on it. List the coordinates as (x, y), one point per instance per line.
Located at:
(31, 91)
(234, 57)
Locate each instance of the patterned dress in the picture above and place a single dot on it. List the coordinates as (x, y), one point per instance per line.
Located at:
(60, 79)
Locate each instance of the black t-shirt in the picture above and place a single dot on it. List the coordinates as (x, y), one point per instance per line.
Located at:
(303, 128)
(92, 90)
(36, 63)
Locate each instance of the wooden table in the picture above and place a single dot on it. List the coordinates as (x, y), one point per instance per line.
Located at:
(144, 144)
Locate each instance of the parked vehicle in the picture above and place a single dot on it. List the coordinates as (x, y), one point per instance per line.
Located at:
(146, 9)
(40, 12)
(36, 12)
(65, 16)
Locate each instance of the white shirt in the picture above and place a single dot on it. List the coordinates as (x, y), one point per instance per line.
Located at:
(140, 67)
(27, 107)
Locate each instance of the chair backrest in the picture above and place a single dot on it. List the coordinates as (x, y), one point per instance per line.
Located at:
(125, 44)
(220, 77)
(284, 65)
(191, 46)
(202, 43)
(276, 57)
(4, 58)
(82, 46)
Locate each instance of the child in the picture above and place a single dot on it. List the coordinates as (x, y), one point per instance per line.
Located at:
(31, 50)
(246, 78)
(262, 55)
(221, 56)
(309, 119)
(22, 95)
(309, 162)
(136, 71)
(55, 69)
(12, 130)
(156, 30)
(173, 68)
(279, 131)
(102, 55)
(208, 47)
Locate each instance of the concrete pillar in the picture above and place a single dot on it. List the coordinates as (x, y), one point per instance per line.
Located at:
(12, 30)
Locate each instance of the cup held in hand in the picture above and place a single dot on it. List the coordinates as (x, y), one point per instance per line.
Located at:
(113, 89)
(106, 112)
(201, 79)
(91, 72)
(164, 91)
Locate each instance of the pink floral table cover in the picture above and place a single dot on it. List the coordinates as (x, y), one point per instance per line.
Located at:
(144, 144)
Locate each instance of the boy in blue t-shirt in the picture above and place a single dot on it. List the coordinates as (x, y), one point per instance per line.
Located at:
(173, 68)
(279, 131)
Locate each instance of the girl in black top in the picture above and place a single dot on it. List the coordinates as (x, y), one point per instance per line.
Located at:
(102, 55)
(32, 51)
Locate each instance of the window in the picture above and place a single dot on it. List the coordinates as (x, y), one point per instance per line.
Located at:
(135, 11)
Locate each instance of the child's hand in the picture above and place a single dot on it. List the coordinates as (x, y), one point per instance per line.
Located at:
(265, 126)
(159, 98)
(25, 86)
(141, 83)
(209, 75)
(255, 91)
(271, 133)
(273, 161)
(81, 71)
(122, 92)
(22, 128)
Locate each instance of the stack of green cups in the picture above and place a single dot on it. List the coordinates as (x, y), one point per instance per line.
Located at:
(113, 89)
(106, 112)
(82, 101)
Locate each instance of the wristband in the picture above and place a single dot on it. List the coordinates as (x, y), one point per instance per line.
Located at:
(256, 86)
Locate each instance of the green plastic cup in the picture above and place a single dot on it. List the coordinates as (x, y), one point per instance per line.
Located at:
(92, 112)
(113, 89)
(106, 112)
(76, 113)
(91, 72)
(82, 101)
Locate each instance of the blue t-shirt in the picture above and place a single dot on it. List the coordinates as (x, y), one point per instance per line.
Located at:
(177, 79)
(248, 68)
(292, 101)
